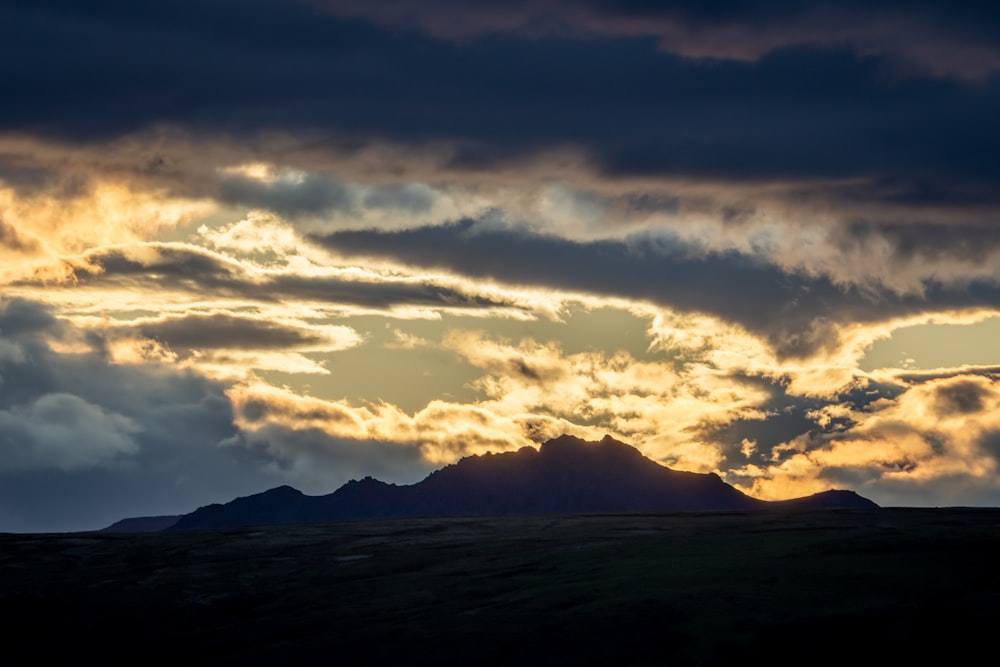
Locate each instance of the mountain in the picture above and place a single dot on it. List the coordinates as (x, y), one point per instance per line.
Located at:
(565, 475)
(142, 524)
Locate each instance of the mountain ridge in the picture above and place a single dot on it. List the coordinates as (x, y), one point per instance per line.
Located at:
(564, 475)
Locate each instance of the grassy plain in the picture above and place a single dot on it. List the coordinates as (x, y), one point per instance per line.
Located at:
(685, 589)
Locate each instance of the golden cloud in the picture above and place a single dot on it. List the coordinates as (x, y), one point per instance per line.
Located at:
(936, 430)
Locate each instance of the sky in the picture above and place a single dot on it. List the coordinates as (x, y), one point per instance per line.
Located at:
(265, 242)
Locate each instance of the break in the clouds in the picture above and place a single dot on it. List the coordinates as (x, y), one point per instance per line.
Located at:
(258, 242)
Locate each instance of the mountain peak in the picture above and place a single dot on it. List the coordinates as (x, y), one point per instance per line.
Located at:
(572, 446)
(283, 490)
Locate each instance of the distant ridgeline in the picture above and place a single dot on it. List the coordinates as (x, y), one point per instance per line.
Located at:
(565, 475)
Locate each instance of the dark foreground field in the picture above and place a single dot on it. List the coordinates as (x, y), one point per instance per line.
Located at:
(685, 589)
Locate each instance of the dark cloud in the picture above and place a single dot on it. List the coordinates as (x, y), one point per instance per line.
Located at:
(798, 112)
(646, 202)
(798, 313)
(295, 194)
(991, 445)
(28, 178)
(400, 197)
(661, 269)
(20, 316)
(223, 330)
(168, 266)
(380, 294)
(14, 240)
(961, 397)
(971, 243)
(64, 431)
(310, 194)
(200, 272)
(935, 36)
(121, 61)
(916, 194)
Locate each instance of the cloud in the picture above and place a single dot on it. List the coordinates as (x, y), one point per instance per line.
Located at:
(291, 287)
(19, 317)
(412, 197)
(65, 432)
(342, 81)
(933, 37)
(923, 441)
(797, 313)
(280, 420)
(292, 194)
(38, 228)
(175, 267)
(958, 253)
(220, 343)
(232, 331)
(12, 239)
(967, 396)
(661, 406)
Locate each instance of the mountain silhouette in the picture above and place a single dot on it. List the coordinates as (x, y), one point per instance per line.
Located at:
(564, 475)
(142, 524)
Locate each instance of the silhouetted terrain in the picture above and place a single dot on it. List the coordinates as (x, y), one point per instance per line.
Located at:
(143, 524)
(565, 475)
(843, 587)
